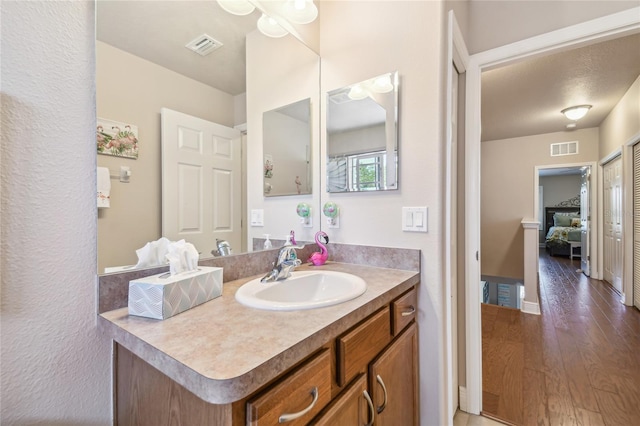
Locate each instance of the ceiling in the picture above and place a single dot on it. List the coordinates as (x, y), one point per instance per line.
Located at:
(526, 98)
(521, 99)
(159, 30)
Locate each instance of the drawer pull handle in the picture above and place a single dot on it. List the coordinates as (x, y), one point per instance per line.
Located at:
(288, 417)
(384, 389)
(372, 411)
(410, 311)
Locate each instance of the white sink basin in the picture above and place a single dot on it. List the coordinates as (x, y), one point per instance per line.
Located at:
(302, 290)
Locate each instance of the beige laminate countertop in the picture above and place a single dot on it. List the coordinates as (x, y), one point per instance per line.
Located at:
(223, 351)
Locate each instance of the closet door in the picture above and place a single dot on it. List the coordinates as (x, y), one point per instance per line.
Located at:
(636, 225)
(613, 223)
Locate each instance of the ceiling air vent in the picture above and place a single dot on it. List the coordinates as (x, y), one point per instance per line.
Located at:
(204, 44)
(564, 148)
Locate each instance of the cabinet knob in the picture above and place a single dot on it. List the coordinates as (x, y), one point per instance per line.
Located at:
(284, 418)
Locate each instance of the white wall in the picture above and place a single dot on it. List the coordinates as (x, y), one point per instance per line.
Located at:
(279, 72)
(405, 36)
(55, 366)
(494, 23)
(623, 122)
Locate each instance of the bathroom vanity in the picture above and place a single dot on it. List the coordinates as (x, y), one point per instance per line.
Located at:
(222, 363)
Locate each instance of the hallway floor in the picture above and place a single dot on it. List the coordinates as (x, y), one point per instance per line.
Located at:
(576, 364)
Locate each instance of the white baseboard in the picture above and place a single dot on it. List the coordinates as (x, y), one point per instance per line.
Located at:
(530, 307)
(462, 398)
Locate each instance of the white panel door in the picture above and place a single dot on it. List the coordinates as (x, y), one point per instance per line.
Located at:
(201, 181)
(613, 223)
(585, 222)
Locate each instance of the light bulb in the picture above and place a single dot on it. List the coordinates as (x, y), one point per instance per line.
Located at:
(237, 7)
(270, 27)
(358, 92)
(382, 84)
(300, 11)
(576, 112)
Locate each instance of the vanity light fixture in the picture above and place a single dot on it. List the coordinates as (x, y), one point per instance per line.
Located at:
(270, 27)
(284, 13)
(380, 84)
(575, 113)
(237, 7)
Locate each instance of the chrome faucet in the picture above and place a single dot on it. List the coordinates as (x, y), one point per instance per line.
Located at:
(286, 262)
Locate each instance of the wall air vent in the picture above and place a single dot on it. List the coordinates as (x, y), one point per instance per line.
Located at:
(340, 97)
(564, 148)
(204, 44)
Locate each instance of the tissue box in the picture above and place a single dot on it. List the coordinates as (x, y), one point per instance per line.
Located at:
(162, 296)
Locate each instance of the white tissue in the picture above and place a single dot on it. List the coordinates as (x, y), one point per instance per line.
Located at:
(153, 253)
(182, 257)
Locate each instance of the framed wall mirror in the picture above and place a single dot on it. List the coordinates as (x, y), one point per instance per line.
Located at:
(362, 135)
(286, 138)
(144, 65)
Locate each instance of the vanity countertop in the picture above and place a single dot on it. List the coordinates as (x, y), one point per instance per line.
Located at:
(223, 351)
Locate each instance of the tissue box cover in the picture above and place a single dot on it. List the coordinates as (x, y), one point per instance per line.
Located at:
(161, 298)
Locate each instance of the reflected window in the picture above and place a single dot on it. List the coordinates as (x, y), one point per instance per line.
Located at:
(367, 171)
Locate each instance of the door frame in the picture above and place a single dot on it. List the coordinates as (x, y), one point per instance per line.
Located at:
(627, 219)
(457, 59)
(608, 27)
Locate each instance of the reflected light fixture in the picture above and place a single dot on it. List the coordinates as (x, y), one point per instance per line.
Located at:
(286, 11)
(237, 7)
(300, 11)
(358, 92)
(575, 113)
(270, 27)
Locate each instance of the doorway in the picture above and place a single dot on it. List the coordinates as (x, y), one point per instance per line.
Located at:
(609, 27)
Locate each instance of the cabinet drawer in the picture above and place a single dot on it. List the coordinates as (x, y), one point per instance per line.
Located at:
(359, 346)
(299, 396)
(404, 310)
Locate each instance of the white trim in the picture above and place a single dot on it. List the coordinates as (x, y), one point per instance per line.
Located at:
(457, 58)
(627, 219)
(530, 307)
(611, 156)
(607, 27)
(462, 392)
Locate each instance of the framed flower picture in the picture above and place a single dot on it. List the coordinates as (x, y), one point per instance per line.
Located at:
(117, 139)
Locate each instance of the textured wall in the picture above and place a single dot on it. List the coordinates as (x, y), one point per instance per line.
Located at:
(55, 367)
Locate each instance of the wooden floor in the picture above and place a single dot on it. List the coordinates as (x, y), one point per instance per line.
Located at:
(576, 364)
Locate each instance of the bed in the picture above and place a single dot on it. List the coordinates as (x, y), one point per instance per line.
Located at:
(562, 225)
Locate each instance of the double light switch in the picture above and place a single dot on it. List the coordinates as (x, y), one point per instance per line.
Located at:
(415, 219)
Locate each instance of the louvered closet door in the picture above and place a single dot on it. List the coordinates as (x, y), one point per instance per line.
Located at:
(636, 225)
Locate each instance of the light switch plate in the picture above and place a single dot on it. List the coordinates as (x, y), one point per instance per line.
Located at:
(257, 217)
(415, 219)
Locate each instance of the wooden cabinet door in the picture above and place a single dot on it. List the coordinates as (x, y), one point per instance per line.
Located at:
(353, 407)
(393, 381)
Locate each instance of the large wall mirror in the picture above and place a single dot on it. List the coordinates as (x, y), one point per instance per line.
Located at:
(144, 65)
(362, 135)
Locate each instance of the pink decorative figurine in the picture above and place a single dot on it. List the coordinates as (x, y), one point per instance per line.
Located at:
(320, 257)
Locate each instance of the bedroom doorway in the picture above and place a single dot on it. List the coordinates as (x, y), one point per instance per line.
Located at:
(563, 194)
